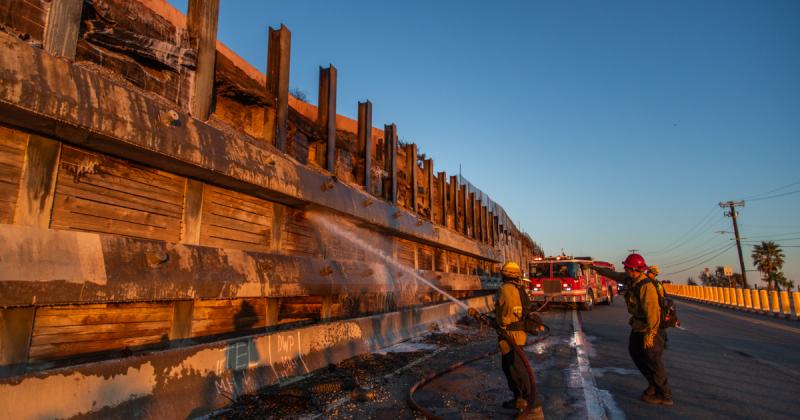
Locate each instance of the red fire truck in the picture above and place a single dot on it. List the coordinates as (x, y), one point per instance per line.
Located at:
(564, 279)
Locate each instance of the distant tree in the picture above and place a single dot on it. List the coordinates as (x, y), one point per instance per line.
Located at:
(717, 278)
(299, 94)
(779, 279)
(768, 258)
(690, 281)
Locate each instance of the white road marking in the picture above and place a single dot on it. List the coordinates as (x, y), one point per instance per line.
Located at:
(594, 406)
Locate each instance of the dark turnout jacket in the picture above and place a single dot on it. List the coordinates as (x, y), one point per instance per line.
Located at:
(642, 300)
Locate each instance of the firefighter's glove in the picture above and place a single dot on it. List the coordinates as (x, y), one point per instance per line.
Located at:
(649, 341)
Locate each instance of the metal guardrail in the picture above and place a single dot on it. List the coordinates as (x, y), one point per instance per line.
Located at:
(770, 302)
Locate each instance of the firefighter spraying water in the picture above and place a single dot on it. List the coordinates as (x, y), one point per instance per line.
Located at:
(513, 320)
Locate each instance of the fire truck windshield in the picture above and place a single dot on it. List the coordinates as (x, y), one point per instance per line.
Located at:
(568, 269)
(541, 270)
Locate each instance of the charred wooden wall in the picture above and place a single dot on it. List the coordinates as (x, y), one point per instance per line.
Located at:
(130, 225)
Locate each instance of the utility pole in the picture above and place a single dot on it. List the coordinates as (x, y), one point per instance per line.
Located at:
(732, 214)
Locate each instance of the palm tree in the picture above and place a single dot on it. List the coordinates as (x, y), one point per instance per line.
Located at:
(768, 258)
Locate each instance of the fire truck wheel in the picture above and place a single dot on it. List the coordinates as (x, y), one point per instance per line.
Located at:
(589, 303)
(609, 298)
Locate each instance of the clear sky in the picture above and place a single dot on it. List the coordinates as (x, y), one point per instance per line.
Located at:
(598, 126)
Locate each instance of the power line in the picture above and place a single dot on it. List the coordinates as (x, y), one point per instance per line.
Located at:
(691, 230)
(700, 247)
(701, 263)
(697, 257)
(771, 191)
(774, 196)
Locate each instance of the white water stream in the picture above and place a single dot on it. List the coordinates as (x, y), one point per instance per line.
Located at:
(332, 226)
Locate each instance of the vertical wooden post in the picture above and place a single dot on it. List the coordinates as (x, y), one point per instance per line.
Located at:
(365, 140)
(390, 136)
(192, 212)
(201, 24)
(443, 197)
(63, 25)
(38, 182)
(471, 214)
(491, 229)
(182, 314)
(273, 311)
(276, 116)
(429, 187)
(16, 328)
(485, 224)
(462, 208)
(411, 158)
(454, 202)
(326, 117)
(497, 233)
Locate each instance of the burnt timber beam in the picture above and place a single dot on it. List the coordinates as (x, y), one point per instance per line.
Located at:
(132, 125)
(326, 117)
(454, 191)
(485, 224)
(471, 215)
(390, 134)
(63, 25)
(442, 177)
(276, 115)
(462, 203)
(411, 157)
(201, 24)
(429, 187)
(365, 140)
(192, 212)
(38, 181)
(84, 267)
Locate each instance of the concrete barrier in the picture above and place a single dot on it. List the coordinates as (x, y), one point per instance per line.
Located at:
(756, 300)
(796, 301)
(764, 300)
(748, 300)
(787, 310)
(739, 298)
(192, 381)
(776, 303)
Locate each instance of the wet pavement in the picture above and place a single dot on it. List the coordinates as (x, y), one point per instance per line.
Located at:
(376, 385)
(722, 364)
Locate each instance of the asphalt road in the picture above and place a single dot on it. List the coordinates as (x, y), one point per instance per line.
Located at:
(723, 363)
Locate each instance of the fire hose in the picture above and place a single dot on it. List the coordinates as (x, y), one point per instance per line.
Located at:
(503, 336)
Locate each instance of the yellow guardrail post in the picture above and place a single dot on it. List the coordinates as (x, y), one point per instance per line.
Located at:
(796, 299)
(776, 304)
(726, 296)
(764, 300)
(748, 302)
(732, 293)
(739, 297)
(720, 296)
(756, 300)
(787, 311)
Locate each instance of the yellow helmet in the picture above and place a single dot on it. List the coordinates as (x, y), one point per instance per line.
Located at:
(653, 270)
(511, 270)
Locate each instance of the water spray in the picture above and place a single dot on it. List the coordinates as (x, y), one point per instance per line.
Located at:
(355, 240)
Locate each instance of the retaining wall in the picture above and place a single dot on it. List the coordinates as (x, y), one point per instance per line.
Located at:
(193, 381)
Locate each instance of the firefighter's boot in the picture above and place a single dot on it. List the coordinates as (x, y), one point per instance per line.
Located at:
(516, 404)
(656, 399)
(650, 391)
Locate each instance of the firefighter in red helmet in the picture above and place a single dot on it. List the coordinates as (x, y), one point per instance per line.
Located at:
(647, 338)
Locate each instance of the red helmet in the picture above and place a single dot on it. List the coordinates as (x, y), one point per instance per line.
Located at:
(635, 262)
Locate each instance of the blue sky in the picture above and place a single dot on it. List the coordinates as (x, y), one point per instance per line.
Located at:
(599, 126)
